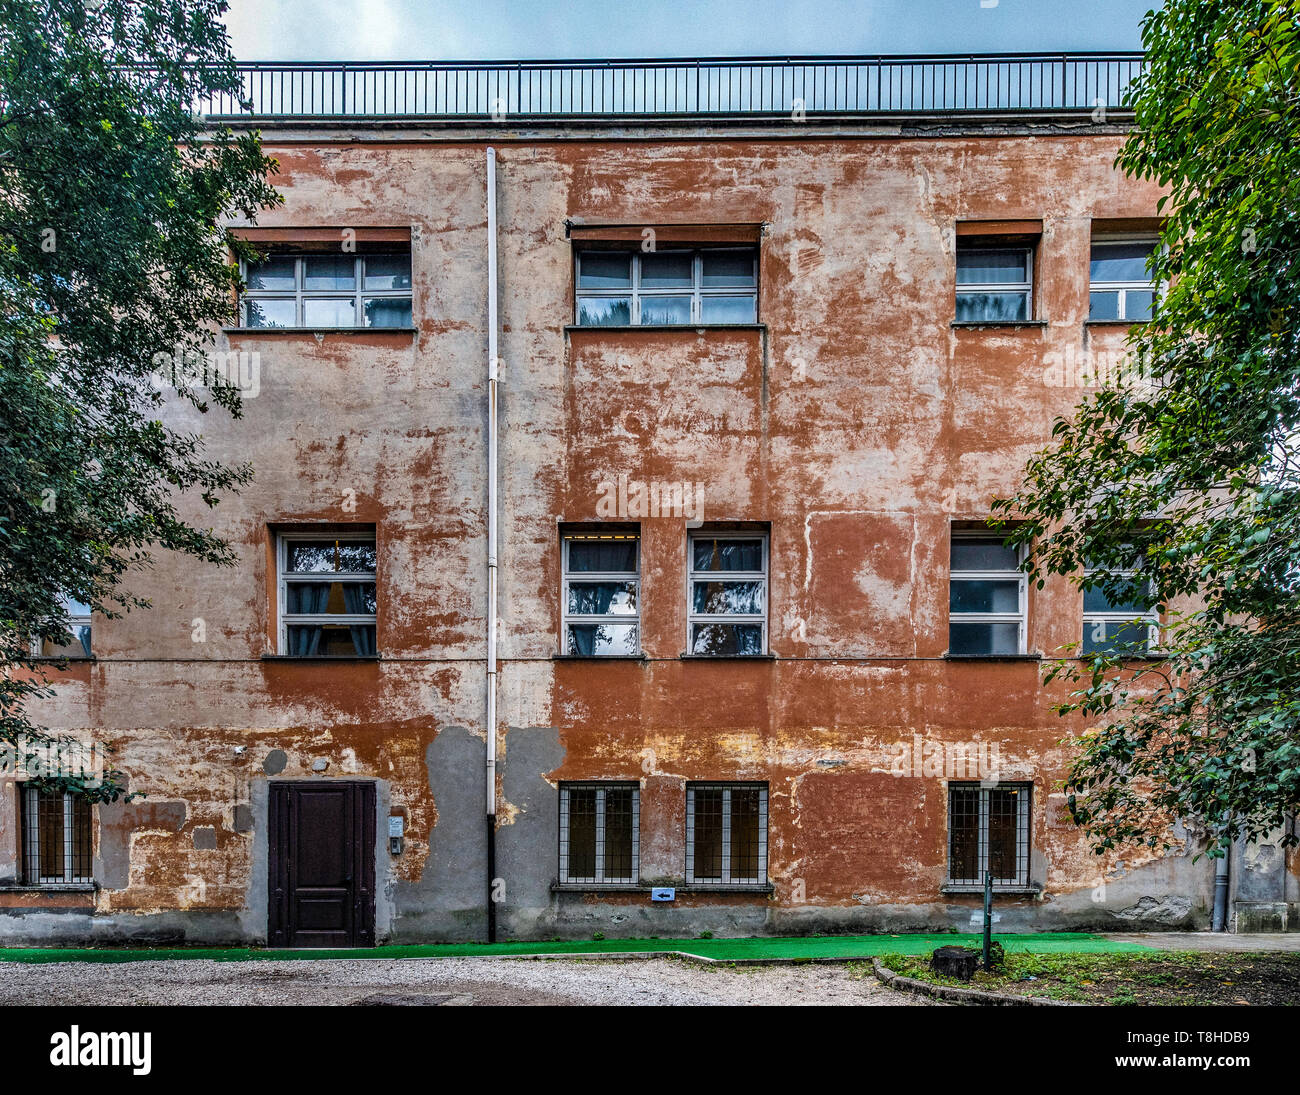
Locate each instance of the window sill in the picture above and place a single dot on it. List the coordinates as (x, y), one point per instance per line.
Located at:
(769, 657)
(639, 887)
(992, 657)
(319, 330)
(698, 327)
(55, 658)
(322, 657)
(51, 887)
(969, 324)
(960, 888)
(599, 658)
(1115, 322)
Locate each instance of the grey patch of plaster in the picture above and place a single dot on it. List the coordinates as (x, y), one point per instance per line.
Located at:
(242, 818)
(1165, 910)
(205, 838)
(275, 762)
(117, 821)
(448, 900)
(526, 848)
(319, 765)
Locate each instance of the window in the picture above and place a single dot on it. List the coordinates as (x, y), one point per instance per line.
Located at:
(56, 837)
(600, 832)
(994, 284)
(328, 290)
(727, 590)
(602, 594)
(1120, 287)
(726, 834)
(1120, 623)
(327, 594)
(986, 597)
(988, 830)
(667, 288)
(79, 625)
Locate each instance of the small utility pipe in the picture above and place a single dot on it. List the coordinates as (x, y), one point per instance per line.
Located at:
(1219, 920)
(492, 547)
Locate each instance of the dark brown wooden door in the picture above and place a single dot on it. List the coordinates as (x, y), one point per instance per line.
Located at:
(322, 853)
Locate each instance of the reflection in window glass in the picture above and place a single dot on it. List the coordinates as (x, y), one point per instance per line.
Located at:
(667, 288)
(601, 594)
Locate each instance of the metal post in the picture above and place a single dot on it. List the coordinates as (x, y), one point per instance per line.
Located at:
(988, 919)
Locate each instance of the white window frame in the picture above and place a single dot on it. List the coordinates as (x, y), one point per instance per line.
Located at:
(31, 840)
(600, 787)
(1019, 618)
(971, 288)
(284, 580)
(75, 620)
(697, 291)
(693, 575)
(633, 576)
(1122, 287)
(1092, 619)
(726, 789)
(357, 294)
(1024, 829)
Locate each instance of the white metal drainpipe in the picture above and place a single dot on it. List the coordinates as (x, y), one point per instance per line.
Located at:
(492, 547)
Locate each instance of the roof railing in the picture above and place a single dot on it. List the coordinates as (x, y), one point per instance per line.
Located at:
(708, 87)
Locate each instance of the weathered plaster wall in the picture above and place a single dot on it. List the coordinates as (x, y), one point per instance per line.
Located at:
(858, 424)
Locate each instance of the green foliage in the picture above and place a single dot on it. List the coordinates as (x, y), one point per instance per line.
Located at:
(111, 196)
(1193, 475)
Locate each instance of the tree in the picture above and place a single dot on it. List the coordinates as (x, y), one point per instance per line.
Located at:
(112, 262)
(1192, 474)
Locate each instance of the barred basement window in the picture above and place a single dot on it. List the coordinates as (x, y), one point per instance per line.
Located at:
(666, 288)
(988, 830)
(328, 290)
(327, 594)
(602, 593)
(56, 838)
(600, 832)
(726, 834)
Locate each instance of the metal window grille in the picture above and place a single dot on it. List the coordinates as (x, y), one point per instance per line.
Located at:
(644, 300)
(987, 597)
(726, 834)
(601, 607)
(988, 831)
(600, 833)
(372, 299)
(56, 838)
(726, 592)
(330, 607)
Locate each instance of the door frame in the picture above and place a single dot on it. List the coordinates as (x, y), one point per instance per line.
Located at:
(363, 822)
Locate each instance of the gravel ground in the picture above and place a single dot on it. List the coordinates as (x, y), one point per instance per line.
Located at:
(444, 981)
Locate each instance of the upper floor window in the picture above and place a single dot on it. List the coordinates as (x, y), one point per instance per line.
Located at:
(988, 832)
(327, 594)
(667, 288)
(56, 837)
(1120, 285)
(1119, 623)
(727, 587)
(78, 625)
(602, 593)
(995, 282)
(328, 290)
(986, 597)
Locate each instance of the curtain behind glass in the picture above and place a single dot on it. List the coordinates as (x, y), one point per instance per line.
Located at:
(363, 635)
(312, 597)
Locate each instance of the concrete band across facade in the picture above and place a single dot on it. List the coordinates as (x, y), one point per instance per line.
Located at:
(713, 410)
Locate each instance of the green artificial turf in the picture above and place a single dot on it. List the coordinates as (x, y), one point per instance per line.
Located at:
(722, 950)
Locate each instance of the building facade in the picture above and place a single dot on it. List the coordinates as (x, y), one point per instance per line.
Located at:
(754, 375)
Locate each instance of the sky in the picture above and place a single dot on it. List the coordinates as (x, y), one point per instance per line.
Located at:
(404, 30)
